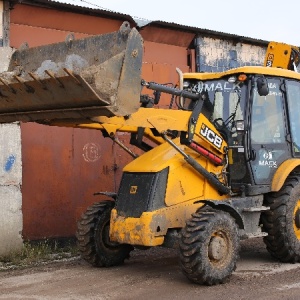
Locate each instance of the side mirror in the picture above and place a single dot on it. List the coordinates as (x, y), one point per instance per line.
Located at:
(262, 86)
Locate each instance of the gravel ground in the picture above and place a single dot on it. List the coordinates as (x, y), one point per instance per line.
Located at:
(152, 274)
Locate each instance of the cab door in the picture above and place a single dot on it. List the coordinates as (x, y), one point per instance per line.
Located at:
(268, 133)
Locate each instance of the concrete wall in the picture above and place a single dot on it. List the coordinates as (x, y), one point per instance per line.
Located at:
(11, 224)
(11, 216)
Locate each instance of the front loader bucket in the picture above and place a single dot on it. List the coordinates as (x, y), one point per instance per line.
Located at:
(74, 80)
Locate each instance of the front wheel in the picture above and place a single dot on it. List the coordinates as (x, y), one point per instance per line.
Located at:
(93, 237)
(209, 247)
(282, 221)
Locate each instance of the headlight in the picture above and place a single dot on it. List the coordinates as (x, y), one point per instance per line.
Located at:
(186, 84)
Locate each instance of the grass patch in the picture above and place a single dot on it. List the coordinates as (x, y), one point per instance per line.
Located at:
(37, 252)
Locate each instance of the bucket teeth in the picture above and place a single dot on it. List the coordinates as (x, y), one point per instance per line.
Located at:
(37, 79)
(96, 76)
(71, 74)
(52, 75)
(8, 86)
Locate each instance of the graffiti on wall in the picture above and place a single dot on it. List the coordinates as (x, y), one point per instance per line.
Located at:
(91, 152)
(9, 163)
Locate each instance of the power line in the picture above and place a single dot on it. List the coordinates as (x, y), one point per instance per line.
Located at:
(92, 4)
(106, 9)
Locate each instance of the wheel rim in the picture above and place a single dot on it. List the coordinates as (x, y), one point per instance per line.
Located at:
(296, 218)
(105, 237)
(218, 248)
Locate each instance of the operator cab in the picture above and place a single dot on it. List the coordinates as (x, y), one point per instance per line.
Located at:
(258, 116)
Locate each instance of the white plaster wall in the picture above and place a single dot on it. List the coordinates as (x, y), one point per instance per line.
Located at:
(5, 55)
(11, 220)
(1, 18)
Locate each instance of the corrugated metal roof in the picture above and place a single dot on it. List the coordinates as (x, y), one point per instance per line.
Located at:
(78, 8)
(95, 9)
(208, 32)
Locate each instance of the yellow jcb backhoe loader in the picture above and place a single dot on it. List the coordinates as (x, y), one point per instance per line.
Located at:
(222, 167)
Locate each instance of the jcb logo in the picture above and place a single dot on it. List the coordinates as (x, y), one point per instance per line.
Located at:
(133, 189)
(211, 136)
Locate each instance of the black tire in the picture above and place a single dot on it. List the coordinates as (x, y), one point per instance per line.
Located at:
(209, 247)
(93, 237)
(282, 221)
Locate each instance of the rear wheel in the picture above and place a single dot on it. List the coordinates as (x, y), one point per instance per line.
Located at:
(209, 247)
(282, 221)
(93, 237)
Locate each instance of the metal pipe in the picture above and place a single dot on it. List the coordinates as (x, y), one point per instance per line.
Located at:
(124, 147)
(170, 90)
(180, 75)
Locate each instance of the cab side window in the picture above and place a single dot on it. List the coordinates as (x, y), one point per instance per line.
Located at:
(267, 117)
(293, 98)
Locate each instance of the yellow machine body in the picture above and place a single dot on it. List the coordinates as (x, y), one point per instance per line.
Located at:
(183, 187)
(280, 55)
(205, 153)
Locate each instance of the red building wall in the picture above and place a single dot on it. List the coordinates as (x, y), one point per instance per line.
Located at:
(63, 167)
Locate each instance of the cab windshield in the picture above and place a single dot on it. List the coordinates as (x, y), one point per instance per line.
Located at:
(224, 102)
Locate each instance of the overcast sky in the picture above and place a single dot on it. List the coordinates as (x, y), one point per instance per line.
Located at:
(262, 19)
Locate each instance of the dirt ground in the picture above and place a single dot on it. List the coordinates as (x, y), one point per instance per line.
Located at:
(153, 274)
